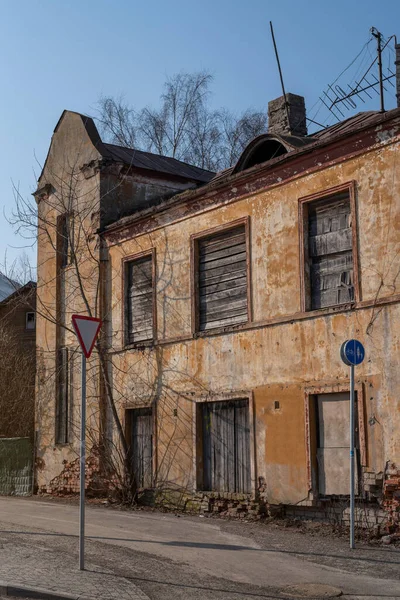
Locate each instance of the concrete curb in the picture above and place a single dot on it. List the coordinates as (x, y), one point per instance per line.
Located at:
(23, 591)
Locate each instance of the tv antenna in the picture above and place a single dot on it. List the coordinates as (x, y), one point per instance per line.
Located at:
(337, 100)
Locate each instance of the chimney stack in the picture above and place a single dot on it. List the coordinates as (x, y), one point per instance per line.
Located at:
(287, 114)
(397, 63)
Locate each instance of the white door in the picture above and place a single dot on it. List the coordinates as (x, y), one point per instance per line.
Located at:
(333, 446)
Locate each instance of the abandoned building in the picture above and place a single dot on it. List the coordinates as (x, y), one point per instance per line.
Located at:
(225, 299)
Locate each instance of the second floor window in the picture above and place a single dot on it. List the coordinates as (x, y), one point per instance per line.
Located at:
(222, 279)
(139, 300)
(330, 251)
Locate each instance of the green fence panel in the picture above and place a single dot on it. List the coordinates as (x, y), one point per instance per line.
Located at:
(16, 467)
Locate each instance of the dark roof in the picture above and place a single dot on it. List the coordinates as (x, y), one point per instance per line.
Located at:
(137, 158)
(17, 290)
(7, 287)
(156, 162)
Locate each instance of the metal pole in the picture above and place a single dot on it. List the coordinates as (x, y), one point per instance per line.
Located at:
(82, 470)
(280, 74)
(352, 544)
(377, 34)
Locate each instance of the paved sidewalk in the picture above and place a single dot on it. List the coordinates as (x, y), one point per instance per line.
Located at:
(32, 562)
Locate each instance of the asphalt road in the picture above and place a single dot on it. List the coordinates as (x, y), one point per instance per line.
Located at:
(205, 548)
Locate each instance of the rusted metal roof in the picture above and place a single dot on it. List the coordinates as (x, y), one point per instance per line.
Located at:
(155, 162)
(362, 119)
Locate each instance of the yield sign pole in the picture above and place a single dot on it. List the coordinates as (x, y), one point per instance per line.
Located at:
(87, 330)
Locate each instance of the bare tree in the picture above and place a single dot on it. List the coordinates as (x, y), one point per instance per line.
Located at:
(184, 126)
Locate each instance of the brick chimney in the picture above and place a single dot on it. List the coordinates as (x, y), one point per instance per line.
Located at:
(397, 63)
(291, 106)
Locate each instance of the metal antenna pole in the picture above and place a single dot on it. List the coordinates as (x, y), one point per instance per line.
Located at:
(280, 74)
(352, 544)
(82, 470)
(377, 34)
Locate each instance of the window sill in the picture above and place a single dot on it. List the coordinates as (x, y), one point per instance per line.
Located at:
(226, 329)
(139, 345)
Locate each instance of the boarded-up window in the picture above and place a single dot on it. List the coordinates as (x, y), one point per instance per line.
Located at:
(222, 279)
(139, 300)
(62, 406)
(226, 446)
(330, 251)
(140, 439)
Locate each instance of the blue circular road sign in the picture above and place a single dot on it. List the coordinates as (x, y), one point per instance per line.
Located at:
(352, 352)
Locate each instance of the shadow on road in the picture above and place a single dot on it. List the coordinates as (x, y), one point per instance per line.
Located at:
(210, 546)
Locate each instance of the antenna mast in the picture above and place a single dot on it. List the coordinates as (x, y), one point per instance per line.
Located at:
(377, 34)
(280, 74)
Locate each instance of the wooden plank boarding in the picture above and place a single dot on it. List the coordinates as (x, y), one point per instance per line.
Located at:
(222, 279)
(330, 244)
(139, 300)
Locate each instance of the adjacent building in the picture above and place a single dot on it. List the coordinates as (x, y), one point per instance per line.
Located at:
(17, 358)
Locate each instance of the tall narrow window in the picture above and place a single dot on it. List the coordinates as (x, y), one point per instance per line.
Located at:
(330, 253)
(65, 231)
(140, 440)
(62, 405)
(222, 279)
(139, 299)
(225, 435)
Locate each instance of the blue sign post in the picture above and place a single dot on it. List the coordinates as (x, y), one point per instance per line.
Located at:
(352, 353)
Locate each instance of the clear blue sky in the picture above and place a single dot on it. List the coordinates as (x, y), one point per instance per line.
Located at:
(57, 55)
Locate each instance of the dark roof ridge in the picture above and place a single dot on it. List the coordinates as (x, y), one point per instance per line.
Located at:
(183, 162)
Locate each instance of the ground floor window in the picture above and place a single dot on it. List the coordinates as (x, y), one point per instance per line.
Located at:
(63, 396)
(139, 426)
(224, 446)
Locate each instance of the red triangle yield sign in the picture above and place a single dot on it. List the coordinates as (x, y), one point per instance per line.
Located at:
(87, 330)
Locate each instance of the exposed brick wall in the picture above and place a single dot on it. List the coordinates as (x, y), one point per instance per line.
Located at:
(67, 482)
(391, 496)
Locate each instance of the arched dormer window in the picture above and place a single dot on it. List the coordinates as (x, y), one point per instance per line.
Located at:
(267, 147)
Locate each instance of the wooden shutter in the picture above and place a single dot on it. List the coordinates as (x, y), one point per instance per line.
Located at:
(139, 300)
(62, 412)
(142, 446)
(226, 446)
(330, 251)
(223, 279)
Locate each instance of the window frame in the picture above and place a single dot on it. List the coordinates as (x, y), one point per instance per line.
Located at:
(30, 312)
(68, 399)
(197, 443)
(127, 424)
(310, 422)
(305, 283)
(126, 343)
(194, 276)
(68, 217)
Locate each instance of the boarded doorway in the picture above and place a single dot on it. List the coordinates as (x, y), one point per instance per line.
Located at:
(225, 440)
(140, 438)
(333, 444)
